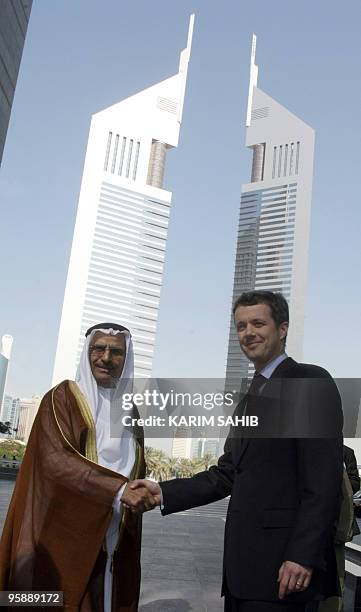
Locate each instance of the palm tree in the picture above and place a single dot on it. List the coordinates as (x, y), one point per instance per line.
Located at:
(185, 469)
(209, 460)
(12, 448)
(196, 465)
(161, 467)
(5, 427)
(156, 461)
(173, 465)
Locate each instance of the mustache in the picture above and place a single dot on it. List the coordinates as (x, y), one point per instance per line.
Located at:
(103, 366)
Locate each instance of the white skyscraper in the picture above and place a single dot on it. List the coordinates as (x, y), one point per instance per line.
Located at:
(119, 243)
(273, 232)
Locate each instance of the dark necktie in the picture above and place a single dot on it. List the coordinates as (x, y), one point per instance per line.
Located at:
(257, 383)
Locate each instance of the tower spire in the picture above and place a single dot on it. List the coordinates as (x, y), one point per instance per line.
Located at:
(253, 76)
(183, 67)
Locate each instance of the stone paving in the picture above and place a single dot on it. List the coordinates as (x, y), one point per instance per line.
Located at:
(181, 557)
(6, 489)
(182, 561)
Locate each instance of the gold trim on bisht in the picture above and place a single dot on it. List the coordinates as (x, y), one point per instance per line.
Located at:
(58, 424)
(91, 440)
(91, 452)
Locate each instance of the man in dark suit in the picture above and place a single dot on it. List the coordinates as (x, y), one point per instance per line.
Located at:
(350, 462)
(278, 546)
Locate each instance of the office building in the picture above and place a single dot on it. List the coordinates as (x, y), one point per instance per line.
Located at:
(14, 19)
(182, 443)
(205, 446)
(274, 219)
(119, 243)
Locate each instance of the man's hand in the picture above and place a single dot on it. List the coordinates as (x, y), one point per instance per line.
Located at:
(152, 487)
(293, 578)
(139, 498)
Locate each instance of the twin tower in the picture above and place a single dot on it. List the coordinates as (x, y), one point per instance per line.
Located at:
(117, 257)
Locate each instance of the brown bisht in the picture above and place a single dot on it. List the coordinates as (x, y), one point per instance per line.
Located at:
(61, 508)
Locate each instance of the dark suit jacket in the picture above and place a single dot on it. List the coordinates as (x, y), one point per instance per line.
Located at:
(284, 499)
(351, 468)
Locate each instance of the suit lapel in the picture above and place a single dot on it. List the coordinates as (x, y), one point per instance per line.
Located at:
(237, 441)
(239, 444)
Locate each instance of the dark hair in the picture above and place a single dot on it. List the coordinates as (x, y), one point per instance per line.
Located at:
(276, 301)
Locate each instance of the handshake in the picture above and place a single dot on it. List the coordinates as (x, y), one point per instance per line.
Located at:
(141, 495)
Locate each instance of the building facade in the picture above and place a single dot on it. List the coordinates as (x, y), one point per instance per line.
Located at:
(14, 19)
(10, 414)
(274, 219)
(206, 446)
(119, 244)
(182, 443)
(28, 407)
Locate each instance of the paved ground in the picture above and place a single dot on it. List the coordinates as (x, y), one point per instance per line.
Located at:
(6, 489)
(181, 557)
(182, 560)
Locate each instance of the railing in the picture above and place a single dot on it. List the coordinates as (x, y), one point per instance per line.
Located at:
(12, 464)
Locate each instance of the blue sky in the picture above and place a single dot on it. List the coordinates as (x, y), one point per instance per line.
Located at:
(82, 57)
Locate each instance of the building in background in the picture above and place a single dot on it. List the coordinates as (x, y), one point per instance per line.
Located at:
(5, 353)
(274, 220)
(27, 413)
(182, 444)
(14, 18)
(119, 243)
(186, 447)
(206, 446)
(10, 414)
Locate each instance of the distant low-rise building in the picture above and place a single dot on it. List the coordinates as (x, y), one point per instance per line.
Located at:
(10, 414)
(206, 446)
(28, 410)
(182, 443)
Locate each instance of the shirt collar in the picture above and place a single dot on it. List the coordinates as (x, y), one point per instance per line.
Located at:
(270, 367)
